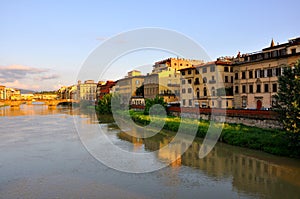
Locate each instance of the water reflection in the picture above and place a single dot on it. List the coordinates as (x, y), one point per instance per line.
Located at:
(249, 172)
(252, 172)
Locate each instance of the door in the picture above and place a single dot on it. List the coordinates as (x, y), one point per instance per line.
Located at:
(258, 104)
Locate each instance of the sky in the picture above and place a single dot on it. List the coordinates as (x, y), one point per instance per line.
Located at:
(43, 44)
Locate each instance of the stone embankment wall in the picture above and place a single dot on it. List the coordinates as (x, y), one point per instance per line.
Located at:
(258, 118)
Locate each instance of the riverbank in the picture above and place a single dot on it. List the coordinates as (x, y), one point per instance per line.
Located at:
(272, 141)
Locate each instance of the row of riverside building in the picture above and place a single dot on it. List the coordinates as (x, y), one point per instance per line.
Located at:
(243, 81)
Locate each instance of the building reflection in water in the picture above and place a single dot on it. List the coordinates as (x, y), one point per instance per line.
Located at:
(252, 172)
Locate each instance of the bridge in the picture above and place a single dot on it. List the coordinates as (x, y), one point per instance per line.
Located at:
(51, 103)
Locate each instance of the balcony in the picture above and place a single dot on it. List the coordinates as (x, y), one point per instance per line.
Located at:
(212, 81)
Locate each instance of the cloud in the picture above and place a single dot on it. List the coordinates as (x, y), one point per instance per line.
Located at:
(13, 73)
(22, 85)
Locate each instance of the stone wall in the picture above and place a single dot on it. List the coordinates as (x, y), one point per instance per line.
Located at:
(258, 118)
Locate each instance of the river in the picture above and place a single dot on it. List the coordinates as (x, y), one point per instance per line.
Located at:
(42, 156)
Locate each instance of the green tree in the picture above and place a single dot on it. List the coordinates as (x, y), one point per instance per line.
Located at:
(150, 102)
(288, 100)
(104, 104)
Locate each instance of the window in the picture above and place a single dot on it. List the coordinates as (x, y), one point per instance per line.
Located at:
(293, 51)
(266, 88)
(198, 93)
(274, 53)
(244, 88)
(231, 69)
(180, 64)
(182, 72)
(189, 90)
(244, 101)
(213, 78)
(189, 71)
(262, 73)
(204, 80)
(236, 76)
(190, 102)
(250, 74)
(243, 75)
(183, 102)
(250, 88)
(278, 71)
(274, 87)
(187, 64)
(183, 81)
(212, 69)
(205, 91)
(169, 75)
(190, 81)
(204, 70)
(231, 79)
(257, 73)
(213, 91)
(236, 89)
(269, 72)
(197, 71)
(258, 88)
(226, 79)
(197, 81)
(226, 69)
(183, 90)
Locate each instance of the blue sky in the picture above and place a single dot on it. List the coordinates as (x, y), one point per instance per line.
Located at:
(55, 37)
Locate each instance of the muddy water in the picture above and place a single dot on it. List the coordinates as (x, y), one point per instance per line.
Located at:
(41, 156)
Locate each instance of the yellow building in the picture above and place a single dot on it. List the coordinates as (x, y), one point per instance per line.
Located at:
(165, 78)
(12, 94)
(165, 84)
(2, 93)
(86, 91)
(27, 96)
(127, 86)
(256, 74)
(175, 63)
(208, 85)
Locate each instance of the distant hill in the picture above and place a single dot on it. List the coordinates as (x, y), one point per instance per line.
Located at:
(25, 91)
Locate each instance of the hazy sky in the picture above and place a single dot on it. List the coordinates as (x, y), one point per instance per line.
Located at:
(44, 43)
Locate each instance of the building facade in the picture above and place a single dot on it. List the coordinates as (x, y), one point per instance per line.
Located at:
(87, 90)
(256, 74)
(128, 86)
(175, 63)
(164, 81)
(2, 93)
(12, 94)
(208, 85)
(104, 88)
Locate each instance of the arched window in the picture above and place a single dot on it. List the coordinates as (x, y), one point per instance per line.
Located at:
(204, 80)
(205, 91)
(198, 93)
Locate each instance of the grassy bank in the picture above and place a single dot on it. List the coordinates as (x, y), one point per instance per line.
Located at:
(268, 140)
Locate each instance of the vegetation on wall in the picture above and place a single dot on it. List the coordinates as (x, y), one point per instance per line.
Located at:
(157, 100)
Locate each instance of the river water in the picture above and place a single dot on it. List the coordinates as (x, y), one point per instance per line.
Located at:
(42, 156)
